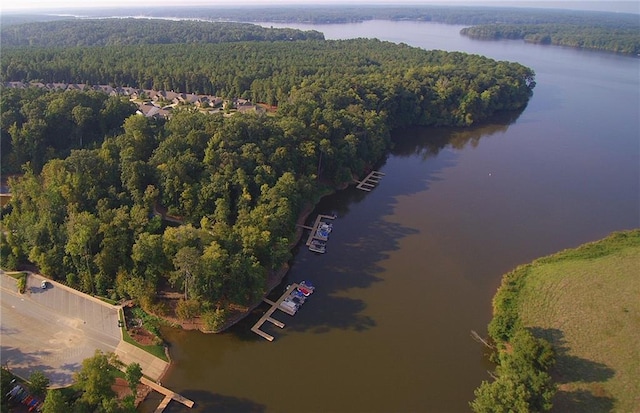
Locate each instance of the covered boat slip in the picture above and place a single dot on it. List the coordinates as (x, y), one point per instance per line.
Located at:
(279, 304)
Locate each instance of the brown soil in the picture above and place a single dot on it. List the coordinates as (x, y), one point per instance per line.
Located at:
(142, 336)
(121, 388)
(268, 108)
(135, 330)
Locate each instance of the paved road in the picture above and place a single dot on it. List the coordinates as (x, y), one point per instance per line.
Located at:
(53, 330)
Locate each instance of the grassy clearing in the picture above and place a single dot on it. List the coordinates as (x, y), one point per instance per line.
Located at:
(586, 302)
(16, 274)
(106, 300)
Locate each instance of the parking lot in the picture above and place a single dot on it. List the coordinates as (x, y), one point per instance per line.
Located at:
(53, 329)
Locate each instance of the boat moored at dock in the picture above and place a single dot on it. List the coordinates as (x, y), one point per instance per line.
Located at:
(289, 302)
(320, 234)
(318, 246)
(323, 231)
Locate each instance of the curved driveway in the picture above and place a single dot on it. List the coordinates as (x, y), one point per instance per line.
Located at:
(53, 330)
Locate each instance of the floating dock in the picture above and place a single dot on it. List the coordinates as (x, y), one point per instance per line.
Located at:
(370, 181)
(274, 306)
(168, 395)
(314, 230)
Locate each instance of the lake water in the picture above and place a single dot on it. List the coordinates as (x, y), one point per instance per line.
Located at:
(412, 266)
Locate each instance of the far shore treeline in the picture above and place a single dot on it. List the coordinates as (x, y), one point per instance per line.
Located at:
(597, 30)
(97, 179)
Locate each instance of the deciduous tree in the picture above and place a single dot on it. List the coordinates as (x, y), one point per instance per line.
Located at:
(38, 383)
(133, 374)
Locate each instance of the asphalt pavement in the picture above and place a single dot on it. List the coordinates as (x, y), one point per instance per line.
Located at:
(54, 329)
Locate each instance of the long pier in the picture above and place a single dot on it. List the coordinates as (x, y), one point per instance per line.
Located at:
(314, 229)
(370, 181)
(267, 316)
(168, 395)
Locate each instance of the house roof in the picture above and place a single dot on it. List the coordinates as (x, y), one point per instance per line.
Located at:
(146, 109)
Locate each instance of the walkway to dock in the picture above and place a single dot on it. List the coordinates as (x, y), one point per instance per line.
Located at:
(152, 366)
(315, 227)
(169, 395)
(267, 316)
(371, 180)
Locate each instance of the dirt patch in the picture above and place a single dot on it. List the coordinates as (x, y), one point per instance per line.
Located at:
(169, 301)
(136, 330)
(142, 336)
(122, 390)
(235, 313)
(268, 108)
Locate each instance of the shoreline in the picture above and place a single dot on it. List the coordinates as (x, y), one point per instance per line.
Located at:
(273, 280)
(275, 277)
(575, 319)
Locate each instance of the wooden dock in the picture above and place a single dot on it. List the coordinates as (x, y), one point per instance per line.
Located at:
(314, 229)
(168, 395)
(267, 316)
(370, 181)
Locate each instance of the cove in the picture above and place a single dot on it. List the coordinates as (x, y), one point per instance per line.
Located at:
(411, 267)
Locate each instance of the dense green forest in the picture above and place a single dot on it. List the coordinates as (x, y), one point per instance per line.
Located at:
(115, 32)
(317, 14)
(413, 86)
(86, 209)
(37, 126)
(615, 39)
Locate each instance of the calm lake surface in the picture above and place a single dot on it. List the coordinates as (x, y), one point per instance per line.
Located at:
(411, 267)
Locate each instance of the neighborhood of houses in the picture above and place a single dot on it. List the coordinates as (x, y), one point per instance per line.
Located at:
(154, 103)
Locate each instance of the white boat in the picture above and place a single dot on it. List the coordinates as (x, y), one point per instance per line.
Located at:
(318, 246)
(323, 231)
(289, 307)
(326, 226)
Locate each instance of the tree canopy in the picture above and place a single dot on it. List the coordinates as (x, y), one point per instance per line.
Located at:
(619, 38)
(38, 383)
(616, 32)
(98, 184)
(411, 85)
(119, 32)
(523, 383)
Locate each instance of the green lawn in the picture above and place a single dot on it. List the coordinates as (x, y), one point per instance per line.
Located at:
(586, 302)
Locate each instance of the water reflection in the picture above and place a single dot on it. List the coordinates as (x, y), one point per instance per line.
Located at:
(357, 251)
(221, 403)
(207, 402)
(427, 142)
(411, 267)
